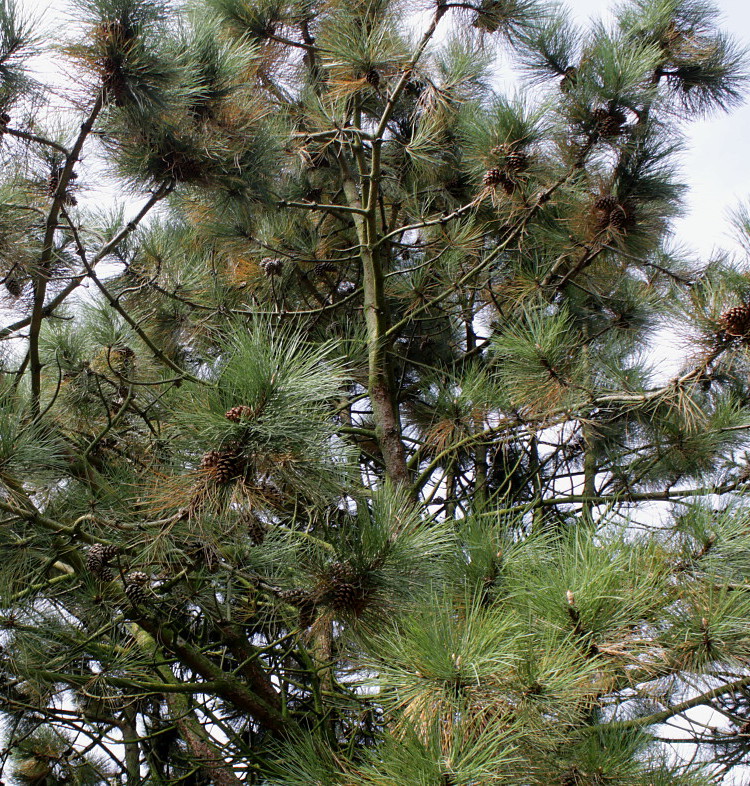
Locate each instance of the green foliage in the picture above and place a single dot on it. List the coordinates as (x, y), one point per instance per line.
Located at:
(340, 451)
(18, 42)
(536, 361)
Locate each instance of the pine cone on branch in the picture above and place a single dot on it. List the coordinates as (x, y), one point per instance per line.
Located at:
(736, 321)
(373, 78)
(240, 412)
(610, 213)
(497, 177)
(272, 267)
(135, 587)
(342, 589)
(608, 122)
(14, 284)
(324, 267)
(296, 596)
(516, 161)
(221, 466)
(98, 559)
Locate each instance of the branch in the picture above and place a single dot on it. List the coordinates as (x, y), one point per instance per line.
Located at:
(40, 284)
(34, 138)
(136, 327)
(658, 717)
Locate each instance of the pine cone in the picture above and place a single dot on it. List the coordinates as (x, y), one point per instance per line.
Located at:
(97, 560)
(135, 593)
(210, 459)
(345, 597)
(14, 285)
(134, 587)
(4, 120)
(493, 177)
(54, 181)
(516, 161)
(497, 177)
(296, 597)
(373, 78)
(340, 573)
(324, 267)
(341, 588)
(94, 560)
(255, 529)
(612, 214)
(606, 203)
(272, 267)
(618, 218)
(221, 465)
(241, 411)
(608, 122)
(736, 321)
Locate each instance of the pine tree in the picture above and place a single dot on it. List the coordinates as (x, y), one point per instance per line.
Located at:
(350, 466)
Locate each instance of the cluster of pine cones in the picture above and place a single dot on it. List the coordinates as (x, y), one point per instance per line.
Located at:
(513, 163)
(98, 560)
(610, 213)
(339, 588)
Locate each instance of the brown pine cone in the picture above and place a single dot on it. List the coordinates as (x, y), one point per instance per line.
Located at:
(736, 321)
(608, 122)
(210, 459)
(606, 203)
(296, 597)
(516, 161)
(345, 597)
(221, 466)
(272, 267)
(324, 267)
(14, 285)
(236, 414)
(98, 557)
(135, 594)
(494, 176)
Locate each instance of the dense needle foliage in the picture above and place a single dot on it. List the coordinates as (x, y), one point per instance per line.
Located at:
(334, 453)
